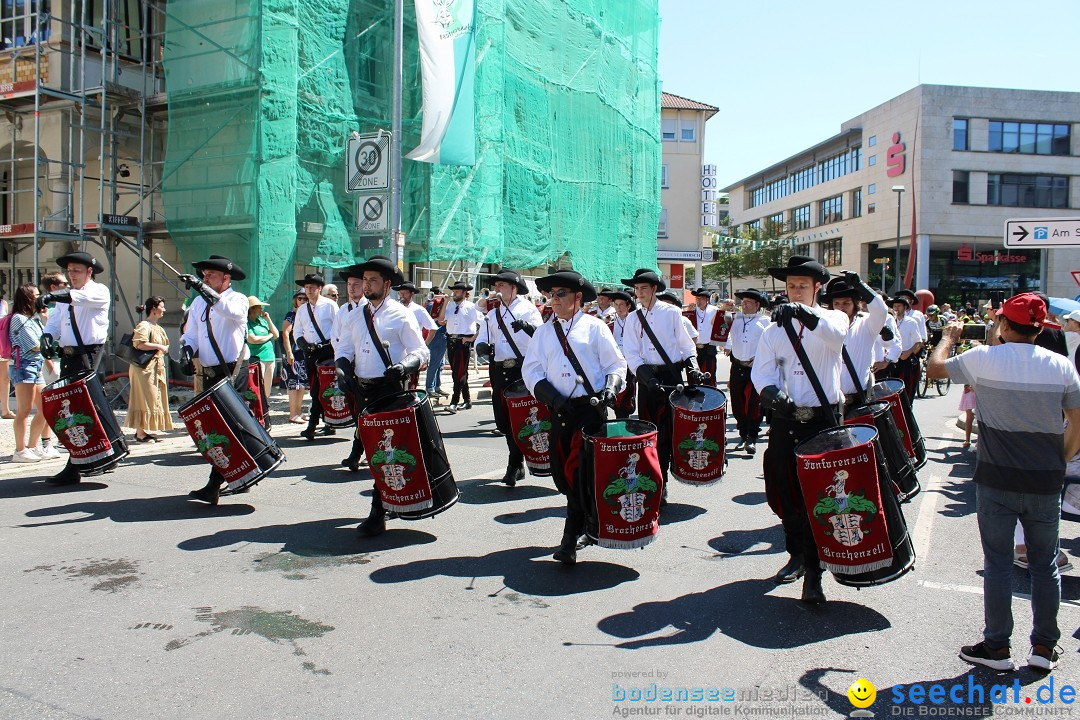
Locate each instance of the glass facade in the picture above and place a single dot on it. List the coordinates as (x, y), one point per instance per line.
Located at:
(830, 168)
(1029, 138)
(1037, 191)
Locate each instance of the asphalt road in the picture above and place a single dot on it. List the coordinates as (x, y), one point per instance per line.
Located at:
(124, 599)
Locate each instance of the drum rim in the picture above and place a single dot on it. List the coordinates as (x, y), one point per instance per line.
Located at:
(420, 397)
(840, 428)
(512, 387)
(82, 375)
(585, 430)
(205, 394)
(700, 388)
(883, 410)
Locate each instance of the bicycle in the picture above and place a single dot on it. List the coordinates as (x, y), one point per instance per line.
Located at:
(922, 389)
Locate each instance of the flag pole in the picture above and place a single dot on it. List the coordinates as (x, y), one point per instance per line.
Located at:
(395, 149)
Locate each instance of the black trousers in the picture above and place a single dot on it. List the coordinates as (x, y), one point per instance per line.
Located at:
(745, 403)
(501, 378)
(72, 365)
(653, 406)
(311, 366)
(459, 351)
(706, 358)
(782, 486)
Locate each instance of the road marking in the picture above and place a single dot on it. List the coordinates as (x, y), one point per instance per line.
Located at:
(979, 591)
(924, 524)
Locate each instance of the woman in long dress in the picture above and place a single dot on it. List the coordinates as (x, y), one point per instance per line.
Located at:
(148, 408)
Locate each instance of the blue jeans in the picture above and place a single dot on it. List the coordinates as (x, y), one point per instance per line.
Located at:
(437, 348)
(998, 511)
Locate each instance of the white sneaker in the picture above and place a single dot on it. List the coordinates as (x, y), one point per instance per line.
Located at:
(26, 456)
(47, 452)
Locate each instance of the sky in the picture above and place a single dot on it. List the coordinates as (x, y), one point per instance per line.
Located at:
(785, 74)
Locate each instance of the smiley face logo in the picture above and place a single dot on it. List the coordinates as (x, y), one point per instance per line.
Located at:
(862, 693)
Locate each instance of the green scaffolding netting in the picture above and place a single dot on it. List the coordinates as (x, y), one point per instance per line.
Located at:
(262, 96)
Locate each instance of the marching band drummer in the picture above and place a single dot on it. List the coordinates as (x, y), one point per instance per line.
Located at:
(406, 294)
(864, 330)
(570, 360)
(704, 316)
(509, 328)
(623, 302)
(786, 389)
(80, 321)
(354, 292)
(216, 332)
(911, 344)
(378, 346)
(746, 328)
(462, 319)
(656, 353)
(313, 329)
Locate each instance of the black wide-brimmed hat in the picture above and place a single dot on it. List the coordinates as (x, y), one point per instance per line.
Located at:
(311, 279)
(701, 292)
(380, 264)
(460, 285)
(670, 297)
(626, 295)
(838, 287)
(801, 266)
(569, 279)
(753, 294)
(913, 299)
(221, 264)
(645, 275)
(406, 286)
(900, 297)
(513, 277)
(81, 258)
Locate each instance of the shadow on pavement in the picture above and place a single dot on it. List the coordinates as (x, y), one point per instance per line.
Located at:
(959, 496)
(483, 491)
(675, 512)
(334, 536)
(736, 610)
(134, 510)
(739, 542)
(185, 458)
(527, 570)
(33, 487)
(533, 515)
(750, 498)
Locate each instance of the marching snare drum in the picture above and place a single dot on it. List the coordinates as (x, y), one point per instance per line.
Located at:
(879, 414)
(699, 416)
(621, 483)
(77, 409)
(336, 404)
(892, 391)
(530, 422)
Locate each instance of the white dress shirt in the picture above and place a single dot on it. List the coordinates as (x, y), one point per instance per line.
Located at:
(342, 313)
(228, 318)
(325, 311)
(909, 333)
(592, 343)
(703, 322)
(462, 318)
(920, 324)
(776, 363)
(393, 324)
(618, 331)
(491, 333)
(91, 305)
(667, 324)
(745, 334)
(423, 318)
(890, 349)
(862, 334)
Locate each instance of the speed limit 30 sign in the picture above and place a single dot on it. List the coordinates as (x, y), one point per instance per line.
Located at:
(367, 162)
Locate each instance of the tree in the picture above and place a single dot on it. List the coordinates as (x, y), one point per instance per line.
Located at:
(751, 253)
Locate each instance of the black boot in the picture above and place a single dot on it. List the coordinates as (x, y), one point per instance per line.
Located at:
(352, 463)
(575, 523)
(515, 472)
(791, 572)
(811, 589)
(210, 492)
(68, 476)
(375, 524)
(663, 496)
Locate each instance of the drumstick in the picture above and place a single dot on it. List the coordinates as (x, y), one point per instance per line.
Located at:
(157, 256)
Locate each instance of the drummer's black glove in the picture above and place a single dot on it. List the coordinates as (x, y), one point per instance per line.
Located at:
(693, 372)
(187, 359)
(784, 313)
(208, 293)
(862, 291)
(646, 377)
(546, 393)
(49, 298)
(886, 334)
(775, 399)
(48, 346)
(483, 350)
(523, 326)
(608, 394)
(345, 373)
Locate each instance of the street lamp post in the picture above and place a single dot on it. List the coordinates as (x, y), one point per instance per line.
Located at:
(899, 190)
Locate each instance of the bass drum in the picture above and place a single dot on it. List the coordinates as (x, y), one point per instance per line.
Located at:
(842, 517)
(892, 391)
(879, 414)
(385, 414)
(78, 410)
(229, 437)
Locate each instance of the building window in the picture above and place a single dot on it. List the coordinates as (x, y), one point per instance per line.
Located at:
(661, 230)
(828, 169)
(856, 203)
(775, 224)
(856, 159)
(831, 252)
(832, 210)
(871, 188)
(960, 186)
(688, 130)
(667, 129)
(960, 135)
(800, 217)
(1029, 138)
(871, 208)
(872, 141)
(753, 225)
(872, 160)
(803, 249)
(1040, 191)
(663, 176)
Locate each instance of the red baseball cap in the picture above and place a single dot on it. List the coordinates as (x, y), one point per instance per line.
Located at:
(1024, 309)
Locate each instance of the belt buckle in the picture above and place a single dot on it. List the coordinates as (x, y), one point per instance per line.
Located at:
(804, 414)
(509, 363)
